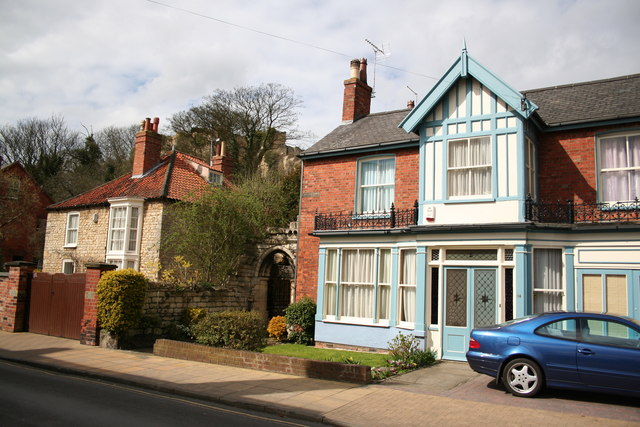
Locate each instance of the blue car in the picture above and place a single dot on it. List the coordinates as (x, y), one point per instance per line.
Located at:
(582, 351)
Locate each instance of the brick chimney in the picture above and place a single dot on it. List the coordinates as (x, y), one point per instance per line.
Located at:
(146, 153)
(357, 93)
(222, 163)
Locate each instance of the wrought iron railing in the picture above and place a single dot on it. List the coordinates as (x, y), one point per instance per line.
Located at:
(394, 218)
(570, 212)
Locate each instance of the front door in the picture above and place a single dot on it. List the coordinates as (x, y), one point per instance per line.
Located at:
(470, 302)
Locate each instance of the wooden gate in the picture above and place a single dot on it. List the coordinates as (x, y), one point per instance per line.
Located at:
(56, 304)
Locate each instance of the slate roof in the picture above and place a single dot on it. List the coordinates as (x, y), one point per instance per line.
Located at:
(598, 100)
(373, 130)
(172, 179)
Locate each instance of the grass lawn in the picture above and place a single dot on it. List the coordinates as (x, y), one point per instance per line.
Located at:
(306, 352)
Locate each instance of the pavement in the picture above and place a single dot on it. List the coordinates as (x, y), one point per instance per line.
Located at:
(425, 396)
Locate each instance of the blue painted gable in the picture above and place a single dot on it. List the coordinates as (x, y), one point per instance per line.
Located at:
(464, 67)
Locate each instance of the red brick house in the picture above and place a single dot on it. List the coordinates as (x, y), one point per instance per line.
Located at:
(121, 222)
(23, 214)
(481, 204)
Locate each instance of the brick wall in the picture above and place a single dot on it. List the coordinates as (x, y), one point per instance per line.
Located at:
(567, 164)
(13, 296)
(264, 362)
(328, 185)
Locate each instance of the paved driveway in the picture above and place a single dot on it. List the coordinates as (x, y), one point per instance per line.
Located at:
(458, 381)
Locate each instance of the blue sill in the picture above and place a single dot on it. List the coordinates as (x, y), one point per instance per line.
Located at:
(456, 201)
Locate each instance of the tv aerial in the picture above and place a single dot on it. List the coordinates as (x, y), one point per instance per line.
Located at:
(379, 54)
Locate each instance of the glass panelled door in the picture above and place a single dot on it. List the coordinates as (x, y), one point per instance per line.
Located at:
(470, 302)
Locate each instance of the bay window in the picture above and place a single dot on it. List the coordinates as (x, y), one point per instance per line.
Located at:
(619, 167)
(357, 285)
(469, 167)
(605, 293)
(123, 245)
(376, 182)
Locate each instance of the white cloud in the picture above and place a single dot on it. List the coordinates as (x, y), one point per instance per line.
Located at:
(116, 62)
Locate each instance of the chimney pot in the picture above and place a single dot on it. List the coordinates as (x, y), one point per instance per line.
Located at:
(411, 104)
(363, 70)
(355, 69)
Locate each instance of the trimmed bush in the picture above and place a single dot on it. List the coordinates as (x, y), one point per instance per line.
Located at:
(301, 321)
(120, 299)
(277, 327)
(240, 330)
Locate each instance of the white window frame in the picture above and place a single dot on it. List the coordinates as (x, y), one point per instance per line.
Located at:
(68, 230)
(407, 284)
(128, 253)
(538, 278)
(65, 263)
(629, 169)
(469, 168)
(378, 185)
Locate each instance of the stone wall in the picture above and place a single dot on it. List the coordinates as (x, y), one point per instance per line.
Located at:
(93, 231)
(92, 239)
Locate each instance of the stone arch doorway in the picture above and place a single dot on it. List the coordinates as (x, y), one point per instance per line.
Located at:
(278, 268)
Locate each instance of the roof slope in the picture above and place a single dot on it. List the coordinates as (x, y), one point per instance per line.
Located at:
(372, 130)
(176, 176)
(598, 100)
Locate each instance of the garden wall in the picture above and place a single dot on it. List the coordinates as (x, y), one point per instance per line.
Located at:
(265, 362)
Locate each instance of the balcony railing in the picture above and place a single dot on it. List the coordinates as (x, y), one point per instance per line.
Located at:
(393, 219)
(570, 212)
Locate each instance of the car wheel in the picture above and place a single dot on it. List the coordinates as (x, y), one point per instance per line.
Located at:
(522, 377)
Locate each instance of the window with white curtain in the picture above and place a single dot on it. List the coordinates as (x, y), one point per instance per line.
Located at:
(71, 230)
(330, 284)
(352, 285)
(469, 167)
(530, 165)
(384, 284)
(407, 286)
(547, 280)
(357, 283)
(376, 183)
(125, 221)
(619, 158)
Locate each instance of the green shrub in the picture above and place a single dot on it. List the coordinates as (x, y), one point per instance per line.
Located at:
(277, 327)
(405, 353)
(240, 330)
(301, 320)
(120, 299)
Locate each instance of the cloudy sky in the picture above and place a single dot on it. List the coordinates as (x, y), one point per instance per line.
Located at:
(114, 62)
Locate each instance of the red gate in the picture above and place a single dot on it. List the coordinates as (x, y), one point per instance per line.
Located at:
(56, 304)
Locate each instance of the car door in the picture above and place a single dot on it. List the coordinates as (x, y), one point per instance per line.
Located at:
(556, 344)
(609, 355)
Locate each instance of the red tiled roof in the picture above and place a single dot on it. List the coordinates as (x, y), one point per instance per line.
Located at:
(174, 178)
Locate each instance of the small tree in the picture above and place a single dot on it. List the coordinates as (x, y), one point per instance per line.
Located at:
(120, 300)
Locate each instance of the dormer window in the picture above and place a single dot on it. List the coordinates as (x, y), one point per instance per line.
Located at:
(376, 183)
(469, 167)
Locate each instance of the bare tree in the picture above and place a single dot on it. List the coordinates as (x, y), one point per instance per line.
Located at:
(251, 120)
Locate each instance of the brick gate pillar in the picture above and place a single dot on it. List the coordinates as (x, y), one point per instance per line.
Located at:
(89, 325)
(13, 296)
